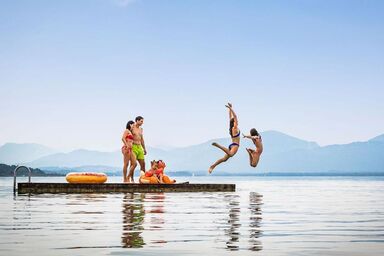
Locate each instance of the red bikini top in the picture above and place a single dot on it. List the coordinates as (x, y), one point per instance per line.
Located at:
(159, 171)
(129, 137)
(151, 172)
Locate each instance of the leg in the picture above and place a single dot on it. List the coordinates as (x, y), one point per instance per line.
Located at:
(140, 158)
(142, 164)
(250, 156)
(221, 160)
(132, 168)
(255, 158)
(226, 151)
(125, 166)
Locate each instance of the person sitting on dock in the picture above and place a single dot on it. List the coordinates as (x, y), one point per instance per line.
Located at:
(235, 135)
(254, 155)
(156, 174)
(149, 176)
(160, 173)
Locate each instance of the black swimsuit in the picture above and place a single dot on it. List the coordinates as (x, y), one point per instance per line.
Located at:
(234, 143)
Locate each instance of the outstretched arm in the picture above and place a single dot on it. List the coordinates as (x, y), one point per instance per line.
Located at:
(234, 116)
(250, 137)
(232, 113)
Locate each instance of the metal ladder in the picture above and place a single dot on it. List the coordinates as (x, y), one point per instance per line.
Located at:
(14, 176)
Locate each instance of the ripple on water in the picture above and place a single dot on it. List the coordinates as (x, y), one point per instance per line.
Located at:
(273, 217)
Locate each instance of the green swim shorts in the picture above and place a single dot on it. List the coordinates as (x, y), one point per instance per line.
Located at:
(138, 150)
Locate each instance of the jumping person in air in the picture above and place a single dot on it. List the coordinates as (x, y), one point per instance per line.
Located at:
(127, 151)
(235, 135)
(254, 155)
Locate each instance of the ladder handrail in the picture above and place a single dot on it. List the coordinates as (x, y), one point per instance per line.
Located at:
(14, 175)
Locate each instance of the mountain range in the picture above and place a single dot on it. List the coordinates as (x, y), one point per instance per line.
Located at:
(282, 154)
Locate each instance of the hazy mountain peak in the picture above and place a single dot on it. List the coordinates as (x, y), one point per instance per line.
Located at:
(282, 153)
(379, 138)
(15, 153)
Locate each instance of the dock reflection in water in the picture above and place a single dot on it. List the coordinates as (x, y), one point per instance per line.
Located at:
(228, 223)
(144, 221)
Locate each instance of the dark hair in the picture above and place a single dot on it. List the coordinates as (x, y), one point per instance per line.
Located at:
(138, 118)
(254, 132)
(231, 124)
(129, 125)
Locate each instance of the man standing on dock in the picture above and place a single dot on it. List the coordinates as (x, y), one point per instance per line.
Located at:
(138, 147)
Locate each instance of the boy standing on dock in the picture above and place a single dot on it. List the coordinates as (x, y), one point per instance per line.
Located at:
(138, 147)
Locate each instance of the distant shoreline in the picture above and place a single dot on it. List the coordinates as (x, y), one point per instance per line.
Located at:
(7, 171)
(237, 175)
(281, 174)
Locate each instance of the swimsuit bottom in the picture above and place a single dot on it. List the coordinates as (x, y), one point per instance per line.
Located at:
(232, 145)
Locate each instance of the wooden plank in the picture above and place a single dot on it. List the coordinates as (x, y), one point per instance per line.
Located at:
(37, 188)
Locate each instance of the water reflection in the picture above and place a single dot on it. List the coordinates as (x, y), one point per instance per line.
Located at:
(155, 211)
(234, 222)
(255, 202)
(21, 209)
(235, 230)
(133, 219)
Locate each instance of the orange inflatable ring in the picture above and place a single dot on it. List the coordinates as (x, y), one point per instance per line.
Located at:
(86, 177)
(148, 180)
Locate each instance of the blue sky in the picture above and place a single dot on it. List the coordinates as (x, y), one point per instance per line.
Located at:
(72, 73)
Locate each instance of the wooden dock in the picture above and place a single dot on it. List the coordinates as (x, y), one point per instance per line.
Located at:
(54, 188)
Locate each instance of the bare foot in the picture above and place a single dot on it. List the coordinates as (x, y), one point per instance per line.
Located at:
(125, 180)
(210, 169)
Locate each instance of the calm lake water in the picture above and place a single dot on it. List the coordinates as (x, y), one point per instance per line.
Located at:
(265, 216)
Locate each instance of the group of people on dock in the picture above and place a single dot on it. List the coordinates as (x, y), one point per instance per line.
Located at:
(134, 150)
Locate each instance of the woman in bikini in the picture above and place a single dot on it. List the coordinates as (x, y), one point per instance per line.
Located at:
(235, 135)
(254, 155)
(127, 151)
